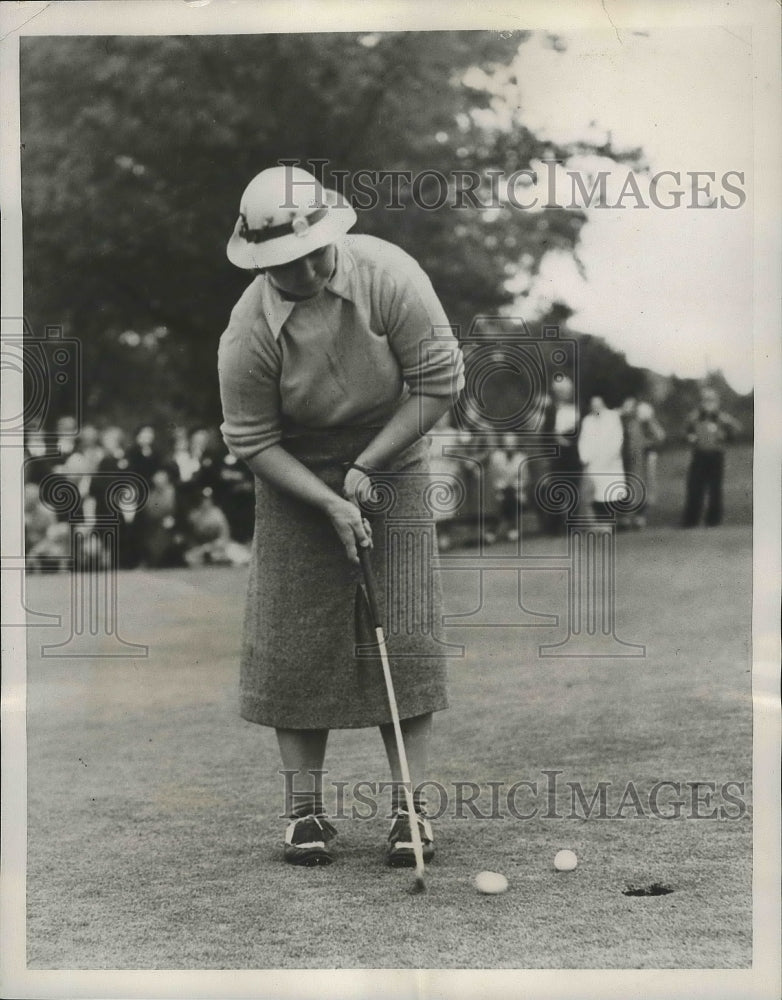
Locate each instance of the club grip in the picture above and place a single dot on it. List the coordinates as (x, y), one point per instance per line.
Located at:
(369, 585)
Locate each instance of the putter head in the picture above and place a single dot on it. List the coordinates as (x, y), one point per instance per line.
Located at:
(418, 886)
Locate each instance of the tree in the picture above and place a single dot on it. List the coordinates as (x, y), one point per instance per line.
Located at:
(136, 150)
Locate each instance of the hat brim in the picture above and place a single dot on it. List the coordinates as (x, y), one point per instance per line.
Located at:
(339, 218)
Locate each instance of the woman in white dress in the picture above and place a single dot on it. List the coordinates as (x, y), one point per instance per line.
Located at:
(600, 451)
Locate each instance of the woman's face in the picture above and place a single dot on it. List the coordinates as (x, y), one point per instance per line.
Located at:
(305, 277)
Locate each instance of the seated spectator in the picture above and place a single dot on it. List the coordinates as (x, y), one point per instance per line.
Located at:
(80, 466)
(483, 501)
(199, 497)
(210, 536)
(507, 473)
(66, 432)
(158, 539)
(53, 551)
(198, 472)
(143, 456)
(461, 456)
(37, 517)
(466, 457)
(75, 468)
(203, 449)
(182, 457)
(110, 471)
(46, 540)
(88, 443)
(234, 493)
(40, 458)
(446, 470)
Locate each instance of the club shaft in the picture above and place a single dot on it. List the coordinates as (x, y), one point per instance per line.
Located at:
(415, 833)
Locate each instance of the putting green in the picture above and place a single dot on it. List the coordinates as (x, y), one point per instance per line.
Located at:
(154, 837)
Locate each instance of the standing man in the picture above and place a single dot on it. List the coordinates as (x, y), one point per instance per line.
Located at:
(708, 430)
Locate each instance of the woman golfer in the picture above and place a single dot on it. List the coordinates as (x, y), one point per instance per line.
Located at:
(331, 373)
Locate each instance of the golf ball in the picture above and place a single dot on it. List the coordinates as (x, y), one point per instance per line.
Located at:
(565, 861)
(491, 883)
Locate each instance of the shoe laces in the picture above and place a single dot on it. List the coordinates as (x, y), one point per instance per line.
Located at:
(400, 827)
(304, 829)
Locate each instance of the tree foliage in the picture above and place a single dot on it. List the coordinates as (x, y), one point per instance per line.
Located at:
(136, 150)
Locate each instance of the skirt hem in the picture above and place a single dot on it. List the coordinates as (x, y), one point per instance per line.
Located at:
(251, 712)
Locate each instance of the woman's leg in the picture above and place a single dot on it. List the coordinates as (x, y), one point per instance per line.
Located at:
(309, 832)
(303, 751)
(416, 733)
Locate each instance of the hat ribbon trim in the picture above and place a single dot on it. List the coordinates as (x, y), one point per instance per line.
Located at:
(298, 226)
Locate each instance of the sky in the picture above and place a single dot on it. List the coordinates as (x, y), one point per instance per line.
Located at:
(670, 288)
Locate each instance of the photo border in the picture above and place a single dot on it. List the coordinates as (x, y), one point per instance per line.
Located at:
(246, 17)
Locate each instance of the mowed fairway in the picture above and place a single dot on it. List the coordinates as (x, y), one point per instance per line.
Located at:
(153, 833)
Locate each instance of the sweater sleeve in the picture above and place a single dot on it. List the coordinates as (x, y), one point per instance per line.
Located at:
(249, 374)
(420, 335)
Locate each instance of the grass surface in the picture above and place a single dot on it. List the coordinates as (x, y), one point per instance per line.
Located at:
(153, 837)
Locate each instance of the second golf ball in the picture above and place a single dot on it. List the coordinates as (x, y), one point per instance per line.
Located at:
(565, 861)
(491, 883)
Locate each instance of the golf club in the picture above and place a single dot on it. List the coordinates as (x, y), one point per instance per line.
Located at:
(369, 585)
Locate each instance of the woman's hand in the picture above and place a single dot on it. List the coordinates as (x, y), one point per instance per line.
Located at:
(352, 528)
(357, 487)
(276, 466)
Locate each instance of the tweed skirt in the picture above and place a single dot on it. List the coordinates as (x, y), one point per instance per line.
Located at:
(309, 654)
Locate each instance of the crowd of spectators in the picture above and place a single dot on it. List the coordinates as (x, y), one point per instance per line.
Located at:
(507, 477)
(197, 502)
(194, 504)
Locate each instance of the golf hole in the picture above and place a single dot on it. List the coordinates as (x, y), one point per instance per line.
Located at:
(655, 889)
